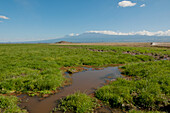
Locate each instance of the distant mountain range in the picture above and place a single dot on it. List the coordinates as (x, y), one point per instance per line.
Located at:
(97, 37)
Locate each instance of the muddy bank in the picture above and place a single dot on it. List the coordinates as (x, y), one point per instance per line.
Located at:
(87, 81)
(156, 56)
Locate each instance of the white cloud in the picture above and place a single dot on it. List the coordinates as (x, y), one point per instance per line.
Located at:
(143, 5)
(126, 4)
(3, 17)
(72, 34)
(144, 32)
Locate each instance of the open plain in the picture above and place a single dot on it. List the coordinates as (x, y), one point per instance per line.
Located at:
(39, 70)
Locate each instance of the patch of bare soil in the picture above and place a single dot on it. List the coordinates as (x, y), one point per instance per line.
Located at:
(157, 56)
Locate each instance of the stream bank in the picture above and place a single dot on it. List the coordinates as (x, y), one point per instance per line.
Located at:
(86, 81)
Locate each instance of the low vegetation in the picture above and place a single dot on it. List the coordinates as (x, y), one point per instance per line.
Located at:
(148, 88)
(121, 49)
(36, 69)
(78, 103)
(8, 104)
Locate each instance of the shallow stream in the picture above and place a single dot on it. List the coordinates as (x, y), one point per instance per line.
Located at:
(86, 81)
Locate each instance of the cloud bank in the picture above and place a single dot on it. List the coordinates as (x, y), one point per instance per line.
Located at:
(126, 4)
(3, 17)
(144, 32)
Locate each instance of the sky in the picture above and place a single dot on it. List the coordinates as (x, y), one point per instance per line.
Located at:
(23, 20)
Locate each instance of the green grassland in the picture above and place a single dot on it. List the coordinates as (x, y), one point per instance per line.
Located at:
(35, 68)
(149, 87)
(120, 49)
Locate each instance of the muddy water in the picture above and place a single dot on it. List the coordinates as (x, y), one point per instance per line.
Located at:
(86, 82)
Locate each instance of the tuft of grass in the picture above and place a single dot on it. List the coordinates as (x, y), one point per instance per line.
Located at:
(78, 103)
(117, 94)
(8, 104)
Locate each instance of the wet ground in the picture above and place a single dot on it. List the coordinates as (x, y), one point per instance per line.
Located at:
(86, 81)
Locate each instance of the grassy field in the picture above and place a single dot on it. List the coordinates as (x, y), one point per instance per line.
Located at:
(35, 68)
(148, 88)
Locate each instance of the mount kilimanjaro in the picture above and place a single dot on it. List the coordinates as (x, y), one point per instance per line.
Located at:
(97, 37)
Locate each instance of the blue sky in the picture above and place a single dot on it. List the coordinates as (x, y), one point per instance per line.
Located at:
(22, 20)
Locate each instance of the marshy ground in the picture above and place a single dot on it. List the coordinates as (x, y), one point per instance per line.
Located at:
(87, 82)
(37, 70)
